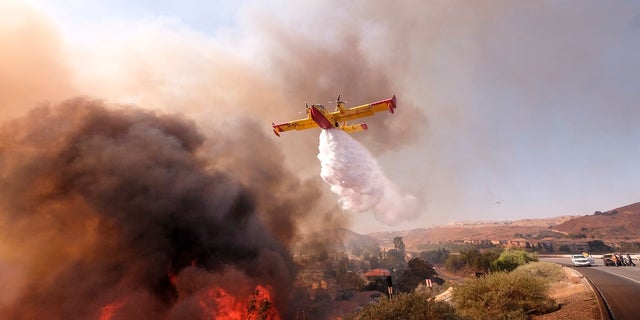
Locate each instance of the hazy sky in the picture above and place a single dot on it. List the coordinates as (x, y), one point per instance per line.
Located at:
(506, 109)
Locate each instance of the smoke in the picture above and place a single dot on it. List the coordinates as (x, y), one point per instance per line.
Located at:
(32, 67)
(358, 180)
(103, 205)
(107, 205)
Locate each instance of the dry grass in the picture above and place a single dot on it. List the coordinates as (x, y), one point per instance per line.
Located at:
(576, 299)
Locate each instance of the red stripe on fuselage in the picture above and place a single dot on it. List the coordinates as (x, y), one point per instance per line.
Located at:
(319, 117)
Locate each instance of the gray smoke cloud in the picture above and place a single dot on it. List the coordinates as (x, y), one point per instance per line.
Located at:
(106, 204)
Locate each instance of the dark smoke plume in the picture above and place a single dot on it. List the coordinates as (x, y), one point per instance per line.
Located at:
(108, 206)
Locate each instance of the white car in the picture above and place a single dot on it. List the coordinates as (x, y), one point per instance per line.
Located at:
(580, 260)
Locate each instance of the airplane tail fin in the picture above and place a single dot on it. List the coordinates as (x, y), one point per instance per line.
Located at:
(275, 129)
(392, 104)
(353, 127)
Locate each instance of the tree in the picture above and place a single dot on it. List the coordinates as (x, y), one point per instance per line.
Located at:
(394, 260)
(418, 270)
(399, 245)
(377, 284)
(480, 261)
(341, 271)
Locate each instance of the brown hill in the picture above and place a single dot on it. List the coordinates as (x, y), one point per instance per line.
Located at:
(482, 230)
(620, 223)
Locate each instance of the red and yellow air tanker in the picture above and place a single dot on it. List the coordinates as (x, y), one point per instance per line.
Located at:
(318, 116)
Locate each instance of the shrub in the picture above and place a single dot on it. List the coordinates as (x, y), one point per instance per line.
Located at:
(512, 258)
(545, 270)
(599, 246)
(503, 296)
(455, 262)
(411, 306)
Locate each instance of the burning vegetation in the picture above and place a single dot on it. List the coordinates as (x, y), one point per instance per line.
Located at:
(114, 213)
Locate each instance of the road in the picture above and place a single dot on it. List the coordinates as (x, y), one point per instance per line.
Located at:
(618, 286)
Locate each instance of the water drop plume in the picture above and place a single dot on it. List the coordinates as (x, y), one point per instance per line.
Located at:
(359, 182)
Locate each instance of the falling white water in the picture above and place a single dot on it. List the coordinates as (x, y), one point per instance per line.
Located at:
(356, 177)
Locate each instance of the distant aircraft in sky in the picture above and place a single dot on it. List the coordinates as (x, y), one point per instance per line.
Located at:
(318, 116)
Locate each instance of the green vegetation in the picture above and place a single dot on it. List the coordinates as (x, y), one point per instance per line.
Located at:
(629, 246)
(508, 285)
(398, 244)
(510, 259)
(489, 260)
(455, 263)
(392, 258)
(609, 213)
(502, 295)
(346, 278)
(435, 256)
(565, 248)
(473, 259)
(451, 247)
(546, 270)
(411, 306)
(599, 246)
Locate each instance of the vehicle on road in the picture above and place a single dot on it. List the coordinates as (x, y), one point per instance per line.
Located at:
(589, 257)
(607, 259)
(579, 260)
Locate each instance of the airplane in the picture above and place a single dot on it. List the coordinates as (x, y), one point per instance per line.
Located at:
(318, 116)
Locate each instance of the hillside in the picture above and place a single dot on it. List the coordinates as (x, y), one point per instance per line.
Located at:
(619, 223)
(480, 230)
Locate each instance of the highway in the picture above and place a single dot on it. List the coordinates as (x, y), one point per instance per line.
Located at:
(619, 287)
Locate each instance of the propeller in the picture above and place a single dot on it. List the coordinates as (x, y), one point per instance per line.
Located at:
(306, 107)
(338, 101)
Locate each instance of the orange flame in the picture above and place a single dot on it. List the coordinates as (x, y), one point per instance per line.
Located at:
(107, 312)
(220, 305)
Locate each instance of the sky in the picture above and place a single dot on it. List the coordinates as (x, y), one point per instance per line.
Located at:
(506, 109)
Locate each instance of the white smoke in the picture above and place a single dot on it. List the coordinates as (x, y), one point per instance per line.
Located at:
(356, 177)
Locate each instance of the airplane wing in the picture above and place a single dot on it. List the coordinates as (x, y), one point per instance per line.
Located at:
(365, 110)
(294, 125)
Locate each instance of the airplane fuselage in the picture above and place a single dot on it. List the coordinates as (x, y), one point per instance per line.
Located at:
(320, 116)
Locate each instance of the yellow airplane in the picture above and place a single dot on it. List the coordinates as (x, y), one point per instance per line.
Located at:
(318, 116)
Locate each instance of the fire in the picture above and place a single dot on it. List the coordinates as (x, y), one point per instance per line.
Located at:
(107, 312)
(218, 304)
(261, 305)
